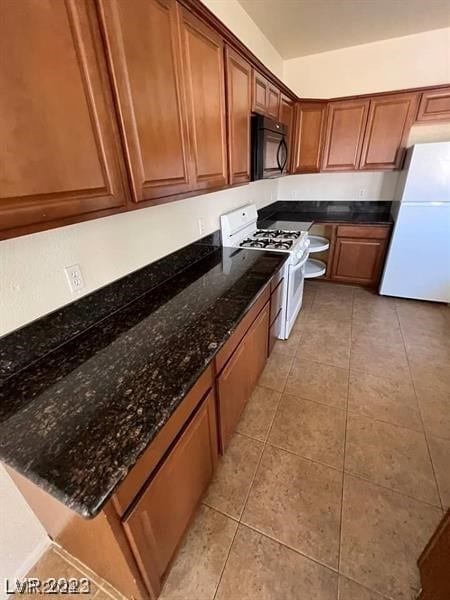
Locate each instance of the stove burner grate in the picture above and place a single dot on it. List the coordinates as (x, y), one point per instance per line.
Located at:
(269, 244)
(277, 234)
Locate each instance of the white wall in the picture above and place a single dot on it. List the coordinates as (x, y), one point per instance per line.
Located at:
(22, 537)
(338, 186)
(231, 13)
(31, 267)
(411, 61)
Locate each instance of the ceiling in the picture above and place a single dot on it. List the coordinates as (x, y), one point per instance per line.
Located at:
(301, 27)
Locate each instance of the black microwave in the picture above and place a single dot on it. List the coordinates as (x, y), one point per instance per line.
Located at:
(269, 148)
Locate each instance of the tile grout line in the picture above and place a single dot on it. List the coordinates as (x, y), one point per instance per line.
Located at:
(312, 460)
(394, 491)
(421, 416)
(265, 442)
(292, 548)
(314, 401)
(382, 596)
(239, 520)
(87, 572)
(345, 446)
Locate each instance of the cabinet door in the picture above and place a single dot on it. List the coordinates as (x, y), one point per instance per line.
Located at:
(236, 382)
(273, 102)
(357, 260)
(144, 54)
(310, 120)
(239, 96)
(346, 122)
(260, 93)
(158, 521)
(287, 118)
(434, 106)
(59, 150)
(203, 62)
(388, 124)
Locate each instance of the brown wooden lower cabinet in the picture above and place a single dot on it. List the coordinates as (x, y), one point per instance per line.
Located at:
(434, 564)
(158, 521)
(358, 254)
(240, 375)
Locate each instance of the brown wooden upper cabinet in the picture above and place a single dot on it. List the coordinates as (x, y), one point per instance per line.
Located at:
(346, 122)
(265, 96)
(203, 65)
(434, 105)
(239, 105)
(388, 124)
(59, 150)
(144, 52)
(287, 118)
(368, 133)
(309, 129)
(273, 102)
(260, 89)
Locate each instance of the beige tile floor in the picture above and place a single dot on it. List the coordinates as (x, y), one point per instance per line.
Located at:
(56, 563)
(339, 470)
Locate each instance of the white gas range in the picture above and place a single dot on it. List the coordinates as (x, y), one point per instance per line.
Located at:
(239, 230)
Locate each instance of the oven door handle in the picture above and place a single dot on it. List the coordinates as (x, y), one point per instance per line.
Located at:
(300, 264)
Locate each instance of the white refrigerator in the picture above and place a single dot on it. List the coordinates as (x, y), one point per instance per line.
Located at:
(418, 259)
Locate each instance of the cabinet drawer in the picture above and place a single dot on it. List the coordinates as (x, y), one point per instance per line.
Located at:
(143, 469)
(273, 332)
(276, 279)
(237, 380)
(158, 521)
(276, 300)
(377, 232)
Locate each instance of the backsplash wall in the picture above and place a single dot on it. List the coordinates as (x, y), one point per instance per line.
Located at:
(339, 186)
(32, 279)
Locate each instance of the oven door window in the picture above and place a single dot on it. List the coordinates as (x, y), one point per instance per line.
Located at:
(273, 150)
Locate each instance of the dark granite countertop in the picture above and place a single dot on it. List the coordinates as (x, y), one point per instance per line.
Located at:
(363, 212)
(84, 390)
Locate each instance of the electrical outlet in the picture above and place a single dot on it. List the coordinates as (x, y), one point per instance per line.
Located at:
(362, 193)
(201, 226)
(74, 278)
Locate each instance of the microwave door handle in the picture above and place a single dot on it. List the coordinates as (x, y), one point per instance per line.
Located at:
(283, 144)
(278, 155)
